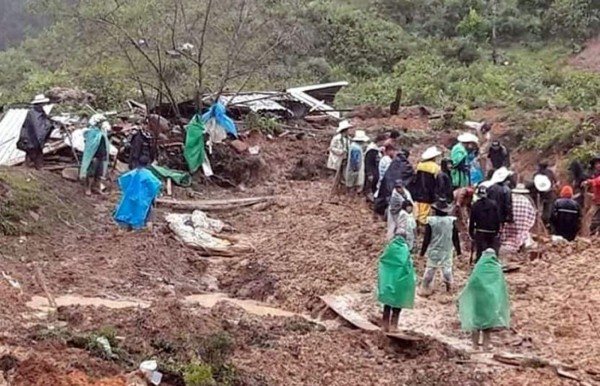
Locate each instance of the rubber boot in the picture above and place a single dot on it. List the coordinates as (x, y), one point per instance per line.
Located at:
(487, 340)
(385, 322)
(448, 287)
(475, 339)
(394, 320)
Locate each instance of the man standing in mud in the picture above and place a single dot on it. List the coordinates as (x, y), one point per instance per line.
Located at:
(35, 132)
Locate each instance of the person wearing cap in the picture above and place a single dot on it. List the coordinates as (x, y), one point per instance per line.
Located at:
(461, 169)
(35, 132)
(498, 155)
(338, 148)
(441, 235)
(484, 223)
(399, 197)
(401, 223)
(566, 215)
(354, 176)
(373, 156)
(516, 234)
(94, 163)
(499, 191)
(424, 186)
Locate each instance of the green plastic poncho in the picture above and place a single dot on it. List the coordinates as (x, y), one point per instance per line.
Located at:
(194, 144)
(458, 155)
(179, 178)
(93, 138)
(396, 280)
(484, 302)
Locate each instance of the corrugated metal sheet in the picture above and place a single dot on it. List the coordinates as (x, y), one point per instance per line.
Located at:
(255, 102)
(10, 128)
(301, 94)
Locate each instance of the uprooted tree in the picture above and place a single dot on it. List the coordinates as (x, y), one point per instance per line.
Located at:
(172, 49)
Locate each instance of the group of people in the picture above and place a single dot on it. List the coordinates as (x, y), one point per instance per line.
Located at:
(139, 187)
(439, 198)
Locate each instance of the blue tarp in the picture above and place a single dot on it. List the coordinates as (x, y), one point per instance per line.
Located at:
(218, 113)
(139, 189)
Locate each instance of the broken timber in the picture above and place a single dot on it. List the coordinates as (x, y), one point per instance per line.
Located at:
(214, 205)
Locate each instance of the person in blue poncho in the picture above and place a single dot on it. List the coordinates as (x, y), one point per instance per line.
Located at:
(139, 189)
(94, 163)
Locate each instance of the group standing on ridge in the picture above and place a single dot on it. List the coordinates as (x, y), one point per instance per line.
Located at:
(470, 194)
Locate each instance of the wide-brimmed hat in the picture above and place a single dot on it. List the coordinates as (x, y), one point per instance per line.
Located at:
(542, 183)
(501, 175)
(96, 119)
(361, 136)
(468, 138)
(482, 191)
(40, 99)
(442, 205)
(431, 153)
(520, 189)
(343, 126)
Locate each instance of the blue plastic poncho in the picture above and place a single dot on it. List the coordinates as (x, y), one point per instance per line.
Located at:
(218, 115)
(93, 138)
(139, 189)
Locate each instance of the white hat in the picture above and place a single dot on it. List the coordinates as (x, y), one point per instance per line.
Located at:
(468, 138)
(361, 136)
(501, 175)
(39, 99)
(344, 125)
(542, 183)
(97, 119)
(430, 153)
(520, 189)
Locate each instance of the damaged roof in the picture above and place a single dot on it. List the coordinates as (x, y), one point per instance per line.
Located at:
(255, 101)
(10, 129)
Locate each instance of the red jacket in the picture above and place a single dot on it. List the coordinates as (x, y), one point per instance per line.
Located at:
(594, 184)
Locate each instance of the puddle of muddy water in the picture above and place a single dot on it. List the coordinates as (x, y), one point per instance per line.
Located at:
(41, 303)
(250, 306)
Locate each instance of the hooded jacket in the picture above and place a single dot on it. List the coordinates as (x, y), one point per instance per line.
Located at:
(485, 217)
(424, 186)
(502, 195)
(399, 169)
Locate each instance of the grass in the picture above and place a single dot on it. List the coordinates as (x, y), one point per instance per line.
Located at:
(20, 197)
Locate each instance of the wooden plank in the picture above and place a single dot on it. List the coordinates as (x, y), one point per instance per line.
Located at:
(341, 307)
(214, 204)
(404, 337)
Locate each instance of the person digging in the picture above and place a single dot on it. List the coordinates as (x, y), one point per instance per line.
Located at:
(441, 235)
(94, 163)
(396, 282)
(484, 303)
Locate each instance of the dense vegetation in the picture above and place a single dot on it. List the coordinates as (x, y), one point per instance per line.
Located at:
(441, 52)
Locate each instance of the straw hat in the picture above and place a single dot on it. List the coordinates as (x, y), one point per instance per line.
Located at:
(361, 136)
(501, 175)
(40, 99)
(96, 119)
(343, 126)
(468, 138)
(520, 189)
(431, 153)
(542, 183)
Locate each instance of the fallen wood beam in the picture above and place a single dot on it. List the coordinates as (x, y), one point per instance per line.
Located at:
(215, 205)
(42, 283)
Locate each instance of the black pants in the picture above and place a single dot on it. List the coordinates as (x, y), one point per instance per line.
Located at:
(485, 240)
(34, 158)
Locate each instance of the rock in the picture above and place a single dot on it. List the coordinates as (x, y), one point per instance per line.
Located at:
(239, 146)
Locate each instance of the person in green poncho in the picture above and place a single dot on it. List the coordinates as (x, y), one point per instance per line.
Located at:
(94, 163)
(461, 170)
(484, 303)
(396, 282)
